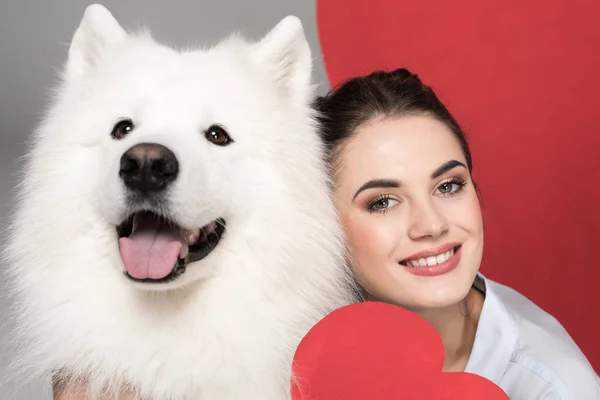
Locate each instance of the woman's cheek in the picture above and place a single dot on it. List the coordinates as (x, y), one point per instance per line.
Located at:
(471, 211)
(462, 211)
(371, 236)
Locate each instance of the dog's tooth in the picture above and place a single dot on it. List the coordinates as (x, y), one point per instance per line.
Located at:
(192, 235)
(134, 222)
(184, 251)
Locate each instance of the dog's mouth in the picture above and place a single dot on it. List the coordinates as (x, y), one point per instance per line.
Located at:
(157, 250)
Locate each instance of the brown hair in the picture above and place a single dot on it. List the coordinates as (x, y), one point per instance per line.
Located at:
(379, 95)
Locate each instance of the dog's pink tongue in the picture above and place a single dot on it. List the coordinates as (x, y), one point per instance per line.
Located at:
(152, 249)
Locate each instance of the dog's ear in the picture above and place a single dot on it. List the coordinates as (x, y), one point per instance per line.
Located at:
(286, 53)
(97, 31)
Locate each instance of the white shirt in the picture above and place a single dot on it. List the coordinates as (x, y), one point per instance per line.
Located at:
(526, 351)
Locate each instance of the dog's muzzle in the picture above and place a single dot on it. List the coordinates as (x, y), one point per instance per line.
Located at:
(153, 248)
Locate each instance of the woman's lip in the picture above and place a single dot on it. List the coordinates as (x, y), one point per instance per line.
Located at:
(439, 269)
(432, 252)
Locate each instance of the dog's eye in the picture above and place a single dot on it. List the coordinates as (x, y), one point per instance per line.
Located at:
(217, 135)
(122, 129)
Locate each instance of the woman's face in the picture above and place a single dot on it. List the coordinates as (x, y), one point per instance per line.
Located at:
(410, 212)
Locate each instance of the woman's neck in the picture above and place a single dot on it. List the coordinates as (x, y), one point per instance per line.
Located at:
(457, 325)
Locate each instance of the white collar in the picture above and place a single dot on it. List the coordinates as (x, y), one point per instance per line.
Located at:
(496, 336)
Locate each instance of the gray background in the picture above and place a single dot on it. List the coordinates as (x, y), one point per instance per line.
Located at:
(34, 37)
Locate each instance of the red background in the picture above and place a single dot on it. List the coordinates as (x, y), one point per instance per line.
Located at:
(523, 78)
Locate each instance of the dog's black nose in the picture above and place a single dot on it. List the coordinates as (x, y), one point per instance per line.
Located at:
(148, 167)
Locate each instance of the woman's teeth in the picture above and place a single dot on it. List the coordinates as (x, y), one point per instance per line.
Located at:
(429, 261)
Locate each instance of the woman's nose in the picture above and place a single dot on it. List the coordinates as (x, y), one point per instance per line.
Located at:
(426, 221)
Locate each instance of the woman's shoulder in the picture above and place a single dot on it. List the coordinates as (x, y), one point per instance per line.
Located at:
(543, 349)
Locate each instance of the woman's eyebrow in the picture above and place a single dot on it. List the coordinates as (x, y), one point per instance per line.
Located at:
(378, 183)
(445, 167)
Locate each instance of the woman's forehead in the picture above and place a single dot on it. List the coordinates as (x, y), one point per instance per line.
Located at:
(407, 145)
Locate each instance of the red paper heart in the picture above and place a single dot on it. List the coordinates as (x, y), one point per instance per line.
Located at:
(522, 78)
(378, 351)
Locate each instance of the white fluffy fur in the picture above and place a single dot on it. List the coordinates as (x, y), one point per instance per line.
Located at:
(228, 328)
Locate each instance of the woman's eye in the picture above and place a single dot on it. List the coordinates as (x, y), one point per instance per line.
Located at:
(382, 204)
(451, 187)
(446, 187)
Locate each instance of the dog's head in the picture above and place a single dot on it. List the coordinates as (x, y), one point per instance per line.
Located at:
(175, 149)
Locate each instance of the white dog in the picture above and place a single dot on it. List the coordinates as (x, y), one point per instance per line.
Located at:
(174, 229)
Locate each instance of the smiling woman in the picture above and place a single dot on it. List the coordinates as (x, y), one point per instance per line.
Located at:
(402, 168)
(401, 224)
